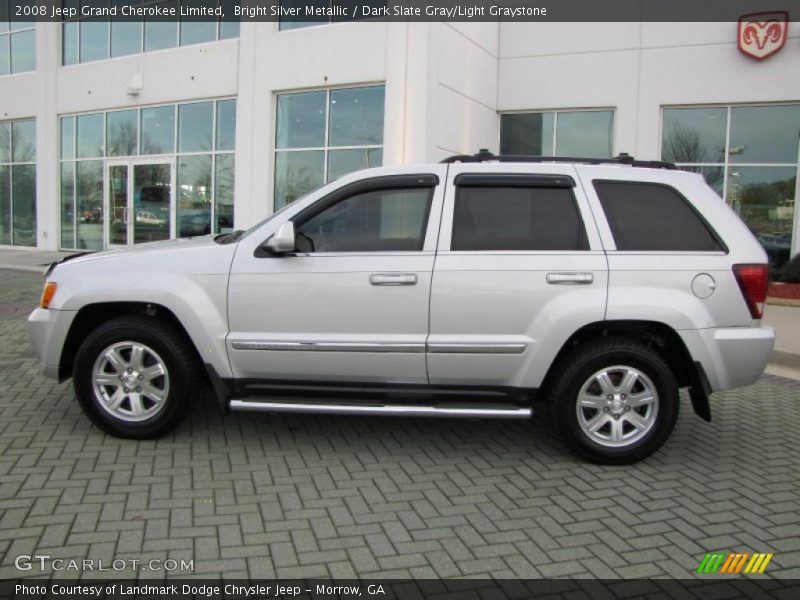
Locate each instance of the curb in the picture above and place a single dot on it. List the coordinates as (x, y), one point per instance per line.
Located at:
(785, 359)
(29, 268)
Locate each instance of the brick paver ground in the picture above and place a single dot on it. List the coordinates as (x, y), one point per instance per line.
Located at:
(287, 496)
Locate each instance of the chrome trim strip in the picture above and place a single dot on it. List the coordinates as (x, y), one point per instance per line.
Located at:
(476, 348)
(381, 410)
(410, 347)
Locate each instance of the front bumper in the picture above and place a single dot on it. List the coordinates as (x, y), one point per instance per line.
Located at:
(731, 356)
(48, 330)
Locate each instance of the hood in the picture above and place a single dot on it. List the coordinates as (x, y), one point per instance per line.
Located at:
(141, 249)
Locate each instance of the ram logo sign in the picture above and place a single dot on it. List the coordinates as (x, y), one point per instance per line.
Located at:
(730, 563)
(763, 34)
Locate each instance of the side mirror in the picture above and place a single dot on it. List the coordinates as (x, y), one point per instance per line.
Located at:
(283, 241)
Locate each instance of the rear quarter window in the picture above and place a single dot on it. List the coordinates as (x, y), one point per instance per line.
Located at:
(653, 217)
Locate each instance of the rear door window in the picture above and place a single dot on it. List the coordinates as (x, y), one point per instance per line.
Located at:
(516, 218)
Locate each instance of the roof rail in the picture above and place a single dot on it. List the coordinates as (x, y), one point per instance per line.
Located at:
(623, 158)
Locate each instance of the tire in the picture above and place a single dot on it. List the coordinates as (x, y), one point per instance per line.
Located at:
(608, 419)
(119, 382)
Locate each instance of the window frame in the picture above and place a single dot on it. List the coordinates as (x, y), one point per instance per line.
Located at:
(5, 38)
(384, 182)
(325, 148)
(175, 155)
(556, 111)
(724, 250)
(10, 164)
(515, 181)
(79, 20)
(726, 164)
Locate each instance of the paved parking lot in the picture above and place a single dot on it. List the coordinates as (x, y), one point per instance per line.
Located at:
(289, 496)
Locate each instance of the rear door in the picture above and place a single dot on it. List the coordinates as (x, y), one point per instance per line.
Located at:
(519, 268)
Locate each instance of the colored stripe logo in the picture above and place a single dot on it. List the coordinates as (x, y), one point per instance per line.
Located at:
(730, 563)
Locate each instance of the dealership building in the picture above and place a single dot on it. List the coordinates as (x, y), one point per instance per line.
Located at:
(125, 132)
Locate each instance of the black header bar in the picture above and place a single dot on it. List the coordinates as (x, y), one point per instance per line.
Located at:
(337, 11)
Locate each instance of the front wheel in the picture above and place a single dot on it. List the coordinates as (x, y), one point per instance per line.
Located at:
(615, 401)
(136, 376)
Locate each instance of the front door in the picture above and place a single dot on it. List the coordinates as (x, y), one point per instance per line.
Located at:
(140, 203)
(352, 303)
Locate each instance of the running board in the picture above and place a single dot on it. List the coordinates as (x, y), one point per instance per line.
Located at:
(384, 410)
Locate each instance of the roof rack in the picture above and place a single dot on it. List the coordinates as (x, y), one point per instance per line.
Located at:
(623, 158)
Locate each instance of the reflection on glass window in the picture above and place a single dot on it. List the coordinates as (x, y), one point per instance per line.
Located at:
(342, 162)
(586, 133)
(90, 135)
(159, 34)
(755, 170)
(356, 117)
(126, 38)
(18, 183)
(89, 204)
(301, 120)
(86, 40)
(194, 195)
(764, 197)
(296, 174)
(764, 134)
(323, 135)
(158, 130)
(17, 43)
(204, 171)
(226, 125)
(122, 133)
(67, 200)
(355, 11)
(195, 127)
(694, 135)
(223, 192)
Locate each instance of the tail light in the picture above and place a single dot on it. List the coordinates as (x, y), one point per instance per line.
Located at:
(753, 281)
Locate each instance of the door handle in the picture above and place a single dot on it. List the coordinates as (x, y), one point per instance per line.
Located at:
(393, 279)
(570, 278)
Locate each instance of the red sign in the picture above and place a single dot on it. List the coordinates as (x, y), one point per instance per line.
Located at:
(763, 34)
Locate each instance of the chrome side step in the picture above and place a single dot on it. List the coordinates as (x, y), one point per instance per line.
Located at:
(385, 410)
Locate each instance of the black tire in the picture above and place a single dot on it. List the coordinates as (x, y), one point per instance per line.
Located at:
(177, 355)
(578, 369)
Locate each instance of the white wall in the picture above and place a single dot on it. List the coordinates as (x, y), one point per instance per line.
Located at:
(272, 61)
(445, 84)
(637, 68)
(464, 71)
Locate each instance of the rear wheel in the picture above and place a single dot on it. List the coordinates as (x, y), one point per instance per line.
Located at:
(136, 376)
(615, 401)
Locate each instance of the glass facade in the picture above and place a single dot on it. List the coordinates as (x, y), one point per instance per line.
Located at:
(323, 135)
(584, 133)
(749, 155)
(17, 41)
(195, 139)
(18, 183)
(85, 40)
(355, 12)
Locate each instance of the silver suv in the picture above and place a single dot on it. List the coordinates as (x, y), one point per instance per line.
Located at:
(483, 286)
